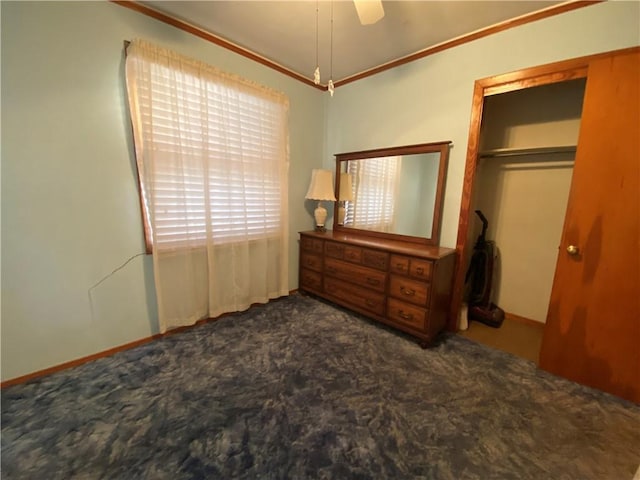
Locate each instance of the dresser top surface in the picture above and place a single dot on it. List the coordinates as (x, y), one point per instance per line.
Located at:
(394, 246)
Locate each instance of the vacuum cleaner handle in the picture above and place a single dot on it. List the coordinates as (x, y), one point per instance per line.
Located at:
(485, 222)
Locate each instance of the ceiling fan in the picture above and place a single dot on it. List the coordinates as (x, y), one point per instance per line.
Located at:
(369, 11)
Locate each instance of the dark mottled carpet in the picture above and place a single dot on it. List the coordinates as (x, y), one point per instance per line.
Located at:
(300, 389)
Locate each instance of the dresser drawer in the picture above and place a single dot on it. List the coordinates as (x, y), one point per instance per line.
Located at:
(409, 290)
(355, 295)
(311, 261)
(420, 268)
(375, 259)
(353, 254)
(399, 265)
(414, 267)
(366, 277)
(309, 244)
(407, 314)
(334, 250)
(310, 280)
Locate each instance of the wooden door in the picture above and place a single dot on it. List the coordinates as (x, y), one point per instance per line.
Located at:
(592, 334)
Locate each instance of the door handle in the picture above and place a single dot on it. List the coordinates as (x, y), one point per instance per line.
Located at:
(573, 250)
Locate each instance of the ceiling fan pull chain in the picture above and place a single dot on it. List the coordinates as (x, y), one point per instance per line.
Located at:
(316, 73)
(330, 86)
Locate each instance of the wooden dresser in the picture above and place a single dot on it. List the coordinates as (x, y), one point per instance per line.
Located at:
(405, 285)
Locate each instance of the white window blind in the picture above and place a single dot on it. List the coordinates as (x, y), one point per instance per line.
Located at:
(211, 150)
(375, 189)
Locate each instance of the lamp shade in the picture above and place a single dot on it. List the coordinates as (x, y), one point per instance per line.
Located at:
(346, 188)
(321, 186)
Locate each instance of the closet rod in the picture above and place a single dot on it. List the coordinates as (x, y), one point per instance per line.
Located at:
(512, 152)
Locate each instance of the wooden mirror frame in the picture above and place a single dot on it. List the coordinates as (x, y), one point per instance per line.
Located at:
(434, 147)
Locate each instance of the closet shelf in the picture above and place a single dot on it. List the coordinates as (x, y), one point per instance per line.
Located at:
(512, 152)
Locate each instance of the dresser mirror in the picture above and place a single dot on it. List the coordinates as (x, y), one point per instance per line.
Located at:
(392, 192)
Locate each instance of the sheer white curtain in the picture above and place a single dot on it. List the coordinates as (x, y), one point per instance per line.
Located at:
(212, 154)
(375, 186)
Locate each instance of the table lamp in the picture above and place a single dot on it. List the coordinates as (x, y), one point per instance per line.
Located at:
(321, 189)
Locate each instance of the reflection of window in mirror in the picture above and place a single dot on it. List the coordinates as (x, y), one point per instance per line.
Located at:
(375, 193)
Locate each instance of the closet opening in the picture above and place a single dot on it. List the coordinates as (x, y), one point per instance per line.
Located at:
(526, 152)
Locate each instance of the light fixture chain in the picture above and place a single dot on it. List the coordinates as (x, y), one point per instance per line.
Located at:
(330, 86)
(316, 73)
(331, 46)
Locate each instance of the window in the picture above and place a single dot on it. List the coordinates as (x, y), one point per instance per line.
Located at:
(212, 155)
(212, 151)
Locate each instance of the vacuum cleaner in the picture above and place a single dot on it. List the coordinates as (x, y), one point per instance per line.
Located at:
(479, 279)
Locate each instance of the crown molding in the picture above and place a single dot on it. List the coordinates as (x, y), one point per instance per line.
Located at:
(500, 27)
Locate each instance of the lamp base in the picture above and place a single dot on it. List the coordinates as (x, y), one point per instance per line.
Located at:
(320, 215)
(320, 228)
(342, 211)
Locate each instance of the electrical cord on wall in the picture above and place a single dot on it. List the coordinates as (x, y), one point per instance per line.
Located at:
(106, 277)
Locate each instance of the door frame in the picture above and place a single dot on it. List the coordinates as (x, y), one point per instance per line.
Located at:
(527, 78)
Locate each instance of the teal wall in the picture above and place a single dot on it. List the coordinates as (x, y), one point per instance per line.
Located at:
(416, 198)
(429, 100)
(70, 212)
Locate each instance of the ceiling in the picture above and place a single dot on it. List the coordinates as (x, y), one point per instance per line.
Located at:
(284, 32)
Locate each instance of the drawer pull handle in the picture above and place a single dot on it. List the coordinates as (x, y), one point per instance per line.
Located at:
(310, 262)
(373, 281)
(370, 303)
(420, 270)
(406, 316)
(400, 266)
(352, 255)
(407, 291)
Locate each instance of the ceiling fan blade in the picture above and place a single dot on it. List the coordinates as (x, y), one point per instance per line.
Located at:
(369, 11)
